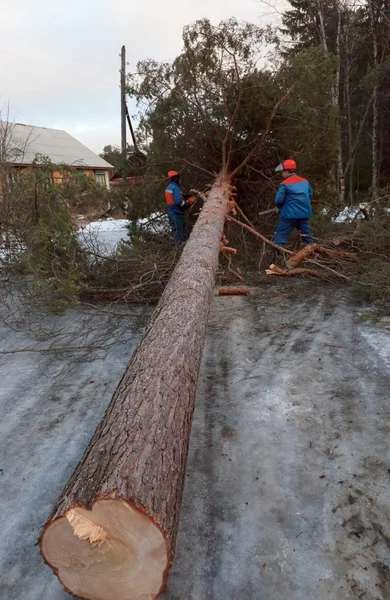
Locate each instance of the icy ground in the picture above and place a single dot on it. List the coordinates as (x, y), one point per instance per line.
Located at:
(288, 481)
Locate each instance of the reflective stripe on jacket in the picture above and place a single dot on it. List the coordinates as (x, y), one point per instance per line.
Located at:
(294, 198)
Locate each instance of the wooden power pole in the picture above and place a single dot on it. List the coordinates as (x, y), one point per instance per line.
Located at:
(123, 99)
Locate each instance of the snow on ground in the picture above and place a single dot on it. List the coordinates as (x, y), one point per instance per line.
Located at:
(350, 213)
(378, 338)
(287, 483)
(108, 233)
(347, 214)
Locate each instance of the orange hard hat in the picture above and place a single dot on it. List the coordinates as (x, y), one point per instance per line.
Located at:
(172, 174)
(286, 165)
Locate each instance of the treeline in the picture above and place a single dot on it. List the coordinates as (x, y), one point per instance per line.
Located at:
(331, 58)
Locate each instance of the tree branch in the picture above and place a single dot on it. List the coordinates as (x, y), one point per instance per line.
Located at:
(262, 136)
(257, 234)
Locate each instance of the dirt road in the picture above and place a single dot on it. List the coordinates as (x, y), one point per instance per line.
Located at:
(288, 483)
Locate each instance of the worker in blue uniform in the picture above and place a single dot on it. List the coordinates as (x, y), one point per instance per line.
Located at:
(293, 199)
(177, 205)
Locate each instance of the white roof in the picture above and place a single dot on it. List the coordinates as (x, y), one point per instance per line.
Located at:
(57, 145)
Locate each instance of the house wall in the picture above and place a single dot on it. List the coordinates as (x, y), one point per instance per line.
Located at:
(58, 176)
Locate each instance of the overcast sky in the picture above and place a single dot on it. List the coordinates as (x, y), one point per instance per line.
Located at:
(60, 58)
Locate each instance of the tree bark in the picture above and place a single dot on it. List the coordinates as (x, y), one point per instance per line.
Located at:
(375, 111)
(340, 169)
(112, 532)
(322, 25)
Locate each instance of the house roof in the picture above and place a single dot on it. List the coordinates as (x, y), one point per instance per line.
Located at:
(57, 145)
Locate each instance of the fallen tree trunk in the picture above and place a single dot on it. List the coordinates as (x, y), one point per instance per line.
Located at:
(112, 532)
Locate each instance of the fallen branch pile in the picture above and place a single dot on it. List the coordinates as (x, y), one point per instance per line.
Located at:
(327, 261)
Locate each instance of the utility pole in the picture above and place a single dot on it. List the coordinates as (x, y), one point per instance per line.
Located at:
(123, 100)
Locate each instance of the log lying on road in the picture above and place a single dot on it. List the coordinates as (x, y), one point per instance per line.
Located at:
(112, 534)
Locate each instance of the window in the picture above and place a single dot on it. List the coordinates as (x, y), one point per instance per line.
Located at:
(100, 177)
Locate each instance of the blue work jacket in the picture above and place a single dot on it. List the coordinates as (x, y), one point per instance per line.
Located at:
(293, 198)
(174, 199)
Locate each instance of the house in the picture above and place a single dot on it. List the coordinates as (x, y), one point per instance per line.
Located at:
(118, 180)
(61, 148)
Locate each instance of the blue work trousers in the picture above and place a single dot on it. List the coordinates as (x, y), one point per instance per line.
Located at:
(179, 227)
(286, 226)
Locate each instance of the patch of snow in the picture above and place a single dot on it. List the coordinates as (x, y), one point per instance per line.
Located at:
(347, 214)
(108, 233)
(105, 233)
(8, 250)
(378, 339)
(155, 223)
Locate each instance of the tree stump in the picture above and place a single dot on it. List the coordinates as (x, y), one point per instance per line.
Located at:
(112, 534)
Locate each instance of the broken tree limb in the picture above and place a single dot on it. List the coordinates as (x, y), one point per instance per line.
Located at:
(364, 211)
(300, 256)
(335, 273)
(310, 249)
(228, 250)
(234, 292)
(257, 234)
(112, 532)
(347, 239)
(299, 271)
(243, 215)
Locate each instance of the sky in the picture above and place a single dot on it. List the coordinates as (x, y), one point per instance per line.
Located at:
(60, 58)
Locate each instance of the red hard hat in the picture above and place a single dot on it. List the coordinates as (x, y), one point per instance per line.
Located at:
(286, 165)
(289, 165)
(172, 174)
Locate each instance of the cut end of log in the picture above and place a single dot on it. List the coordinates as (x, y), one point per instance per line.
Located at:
(113, 552)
